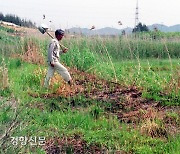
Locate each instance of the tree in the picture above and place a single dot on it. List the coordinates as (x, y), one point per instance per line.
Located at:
(1, 16)
(140, 28)
(17, 20)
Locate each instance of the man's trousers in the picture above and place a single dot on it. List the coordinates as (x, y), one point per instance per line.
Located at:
(60, 69)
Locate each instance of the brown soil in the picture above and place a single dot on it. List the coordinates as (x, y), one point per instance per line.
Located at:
(75, 145)
(126, 102)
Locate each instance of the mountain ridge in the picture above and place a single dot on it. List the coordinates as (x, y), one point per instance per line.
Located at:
(115, 31)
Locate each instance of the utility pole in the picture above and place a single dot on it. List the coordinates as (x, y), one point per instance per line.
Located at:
(136, 15)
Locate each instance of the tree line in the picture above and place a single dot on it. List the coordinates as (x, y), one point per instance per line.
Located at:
(140, 28)
(17, 20)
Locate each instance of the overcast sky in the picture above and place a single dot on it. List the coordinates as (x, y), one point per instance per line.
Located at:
(100, 13)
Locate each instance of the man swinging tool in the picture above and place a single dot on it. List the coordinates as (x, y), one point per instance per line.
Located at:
(53, 59)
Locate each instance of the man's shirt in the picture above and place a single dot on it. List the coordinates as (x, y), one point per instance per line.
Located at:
(54, 51)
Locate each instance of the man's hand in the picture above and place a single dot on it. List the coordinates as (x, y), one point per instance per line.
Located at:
(65, 50)
(52, 64)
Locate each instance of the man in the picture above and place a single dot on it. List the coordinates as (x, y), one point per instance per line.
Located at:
(53, 59)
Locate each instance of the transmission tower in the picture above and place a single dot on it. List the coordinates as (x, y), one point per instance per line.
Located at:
(136, 15)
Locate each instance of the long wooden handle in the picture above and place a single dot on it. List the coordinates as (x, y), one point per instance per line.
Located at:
(49, 34)
(62, 46)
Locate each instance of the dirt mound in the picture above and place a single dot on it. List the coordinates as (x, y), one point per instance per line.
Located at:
(73, 144)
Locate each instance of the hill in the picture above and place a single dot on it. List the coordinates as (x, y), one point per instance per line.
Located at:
(164, 28)
(115, 31)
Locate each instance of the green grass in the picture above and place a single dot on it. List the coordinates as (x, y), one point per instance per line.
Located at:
(157, 78)
(102, 131)
(132, 62)
(6, 29)
(8, 43)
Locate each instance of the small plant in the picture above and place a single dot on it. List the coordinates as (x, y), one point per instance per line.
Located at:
(96, 112)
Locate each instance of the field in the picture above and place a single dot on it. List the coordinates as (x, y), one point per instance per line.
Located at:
(125, 97)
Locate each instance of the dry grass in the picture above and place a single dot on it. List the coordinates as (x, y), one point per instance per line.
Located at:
(152, 124)
(4, 80)
(153, 129)
(32, 53)
(174, 84)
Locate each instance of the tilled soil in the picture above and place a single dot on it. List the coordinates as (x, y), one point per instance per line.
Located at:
(73, 144)
(127, 104)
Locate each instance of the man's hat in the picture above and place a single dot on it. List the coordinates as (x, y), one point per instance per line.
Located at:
(59, 32)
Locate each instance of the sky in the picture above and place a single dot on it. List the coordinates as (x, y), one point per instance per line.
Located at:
(100, 13)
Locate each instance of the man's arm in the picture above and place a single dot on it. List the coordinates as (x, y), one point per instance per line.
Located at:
(50, 54)
(64, 50)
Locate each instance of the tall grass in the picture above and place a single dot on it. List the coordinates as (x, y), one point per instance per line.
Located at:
(119, 47)
(152, 65)
(8, 44)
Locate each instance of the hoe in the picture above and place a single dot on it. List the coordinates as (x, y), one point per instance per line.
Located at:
(44, 29)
